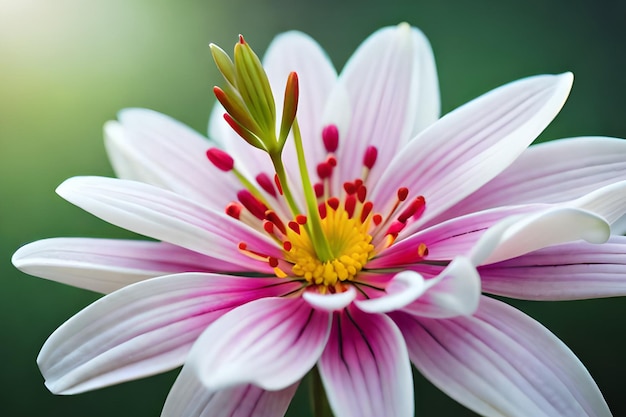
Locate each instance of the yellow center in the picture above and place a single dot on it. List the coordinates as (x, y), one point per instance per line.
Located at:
(349, 242)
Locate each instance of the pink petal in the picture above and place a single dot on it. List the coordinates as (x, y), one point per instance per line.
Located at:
(365, 367)
(150, 147)
(166, 216)
(106, 265)
(271, 343)
(392, 91)
(501, 362)
(447, 240)
(570, 271)
(143, 329)
(454, 292)
(551, 172)
(190, 398)
(471, 145)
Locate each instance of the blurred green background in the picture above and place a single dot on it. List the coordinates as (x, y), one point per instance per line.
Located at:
(67, 66)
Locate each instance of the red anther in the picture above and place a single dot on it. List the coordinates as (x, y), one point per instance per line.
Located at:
(349, 187)
(332, 161)
(251, 203)
(422, 250)
(241, 39)
(271, 216)
(242, 246)
(234, 210)
(277, 182)
(358, 182)
(330, 136)
(395, 228)
(324, 170)
(369, 158)
(349, 205)
(420, 202)
(294, 226)
(366, 210)
(273, 262)
(301, 219)
(287, 245)
(321, 208)
(266, 183)
(333, 203)
(377, 219)
(220, 159)
(319, 189)
(268, 227)
(403, 193)
(361, 193)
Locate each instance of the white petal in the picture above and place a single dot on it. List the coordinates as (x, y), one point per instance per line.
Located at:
(190, 398)
(365, 367)
(551, 172)
(271, 343)
(517, 235)
(571, 271)
(471, 145)
(392, 88)
(608, 201)
(166, 216)
(454, 292)
(330, 302)
(105, 265)
(143, 329)
(403, 289)
(502, 363)
(150, 147)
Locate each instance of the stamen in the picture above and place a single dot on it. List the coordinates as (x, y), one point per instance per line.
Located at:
(287, 245)
(321, 208)
(366, 210)
(349, 187)
(369, 158)
(234, 210)
(324, 170)
(422, 250)
(361, 193)
(220, 159)
(272, 217)
(250, 202)
(417, 206)
(333, 203)
(330, 136)
(265, 182)
(301, 219)
(402, 193)
(350, 205)
(319, 190)
(294, 226)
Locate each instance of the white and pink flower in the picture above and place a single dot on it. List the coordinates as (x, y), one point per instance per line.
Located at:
(362, 246)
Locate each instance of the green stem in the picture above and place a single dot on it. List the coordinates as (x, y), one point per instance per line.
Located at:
(282, 177)
(321, 408)
(320, 243)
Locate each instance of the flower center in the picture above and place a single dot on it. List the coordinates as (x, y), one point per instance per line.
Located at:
(350, 244)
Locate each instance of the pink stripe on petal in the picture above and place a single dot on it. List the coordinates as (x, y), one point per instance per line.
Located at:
(143, 329)
(471, 145)
(501, 362)
(169, 217)
(190, 398)
(382, 84)
(151, 147)
(106, 265)
(365, 367)
(570, 271)
(551, 172)
(271, 343)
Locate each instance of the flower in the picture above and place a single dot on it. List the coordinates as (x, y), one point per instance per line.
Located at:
(354, 234)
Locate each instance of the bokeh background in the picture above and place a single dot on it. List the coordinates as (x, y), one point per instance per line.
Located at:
(67, 66)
